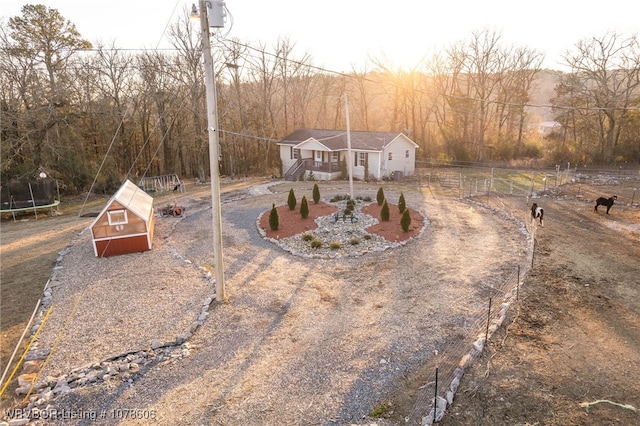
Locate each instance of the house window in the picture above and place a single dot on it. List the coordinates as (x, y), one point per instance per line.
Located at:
(335, 157)
(390, 156)
(406, 154)
(362, 158)
(117, 217)
(295, 153)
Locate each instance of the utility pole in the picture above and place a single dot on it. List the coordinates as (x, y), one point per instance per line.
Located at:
(351, 160)
(212, 128)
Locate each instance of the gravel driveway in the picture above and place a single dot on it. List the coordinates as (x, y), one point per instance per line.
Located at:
(299, 341)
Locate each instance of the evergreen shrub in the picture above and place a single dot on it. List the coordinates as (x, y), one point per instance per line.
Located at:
(384, 212)
(274, 219)
(291, 201)
(402, 204)
(405, 221)
(304, 207)
(380, 196)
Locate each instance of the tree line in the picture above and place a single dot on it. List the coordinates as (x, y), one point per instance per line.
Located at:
(91, 115)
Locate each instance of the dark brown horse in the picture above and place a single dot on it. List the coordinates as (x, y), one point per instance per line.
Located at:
(605, 202)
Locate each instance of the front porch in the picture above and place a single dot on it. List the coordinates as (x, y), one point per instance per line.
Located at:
(322, 170)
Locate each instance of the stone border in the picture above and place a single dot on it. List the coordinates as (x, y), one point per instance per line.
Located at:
(125, 365)
(442, 403)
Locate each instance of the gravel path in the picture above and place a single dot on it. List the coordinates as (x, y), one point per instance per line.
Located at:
(299, 341)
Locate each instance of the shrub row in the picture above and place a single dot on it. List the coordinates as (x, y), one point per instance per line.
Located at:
(405, 221)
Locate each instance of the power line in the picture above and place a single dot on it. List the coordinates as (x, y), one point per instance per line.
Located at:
(225, 42)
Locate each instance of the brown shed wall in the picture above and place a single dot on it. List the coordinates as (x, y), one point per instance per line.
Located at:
(125, 245)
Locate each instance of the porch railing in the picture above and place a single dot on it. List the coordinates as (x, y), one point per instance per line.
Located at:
(297, 168)
(321, 166)
(308, 164)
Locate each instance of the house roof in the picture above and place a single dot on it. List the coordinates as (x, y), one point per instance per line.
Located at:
(336, 140)
(133, 199)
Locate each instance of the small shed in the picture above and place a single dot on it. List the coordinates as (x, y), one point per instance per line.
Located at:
(126, 224)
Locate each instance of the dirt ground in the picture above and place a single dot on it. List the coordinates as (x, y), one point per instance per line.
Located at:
(28, 252)
(570, 352)
(571, 341)
(29, 249)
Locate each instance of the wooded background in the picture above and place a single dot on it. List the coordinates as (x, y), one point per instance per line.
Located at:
(83, 113)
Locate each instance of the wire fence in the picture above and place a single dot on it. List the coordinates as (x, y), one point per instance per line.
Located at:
(476, 183)
(453, 359)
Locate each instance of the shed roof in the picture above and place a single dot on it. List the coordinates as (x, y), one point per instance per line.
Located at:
(134, 199)
(336, 140)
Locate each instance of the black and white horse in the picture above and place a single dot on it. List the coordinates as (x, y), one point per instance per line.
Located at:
(537, 212)
(605, 202)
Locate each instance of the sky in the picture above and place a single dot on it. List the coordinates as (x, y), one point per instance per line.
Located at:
(342, 35)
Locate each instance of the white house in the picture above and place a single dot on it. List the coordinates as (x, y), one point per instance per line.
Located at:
(545, 128)
(322, 152)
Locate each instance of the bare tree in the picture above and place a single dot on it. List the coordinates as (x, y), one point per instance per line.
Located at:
(234, 116)
(514, 95)
(40, 44)
(605, 75)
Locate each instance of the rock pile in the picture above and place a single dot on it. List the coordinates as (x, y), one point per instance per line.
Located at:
(123, 367)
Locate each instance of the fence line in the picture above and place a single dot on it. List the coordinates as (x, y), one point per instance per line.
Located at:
(473, 182)
(453, 359)
(467, 182)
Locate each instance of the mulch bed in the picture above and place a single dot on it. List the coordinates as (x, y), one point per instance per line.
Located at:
(291, 222)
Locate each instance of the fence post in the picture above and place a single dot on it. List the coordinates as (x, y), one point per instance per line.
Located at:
(435, 398)
(533, 254)
(518, 285)
(486, 334)
(491, 183)
(533, 177)
(633, 196)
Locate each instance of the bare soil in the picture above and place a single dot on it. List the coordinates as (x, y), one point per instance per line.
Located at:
(29, 249)
(570, 353)
(572, 341)
(28, 253)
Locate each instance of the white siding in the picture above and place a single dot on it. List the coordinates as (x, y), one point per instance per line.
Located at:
(399, 162)
(285, 156)
(312, 145)
(375, 165)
